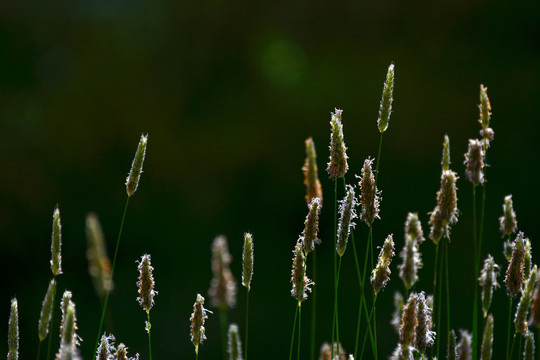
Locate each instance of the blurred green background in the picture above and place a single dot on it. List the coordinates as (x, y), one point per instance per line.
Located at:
(228, 91)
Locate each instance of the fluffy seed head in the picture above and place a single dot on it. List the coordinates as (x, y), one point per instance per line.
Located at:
(447, 197)
(385, 108)
(408, 270)
(515, 272)
(13, 332)
(311, 173)
(487, 341)
(484, 107)
(121, 353)
(197, 322)
(66, 299)
(132, 181)
(527, 262)
(223, 286)
(413, 227)
(146, 283)
(106, 348)
(46, 311)
(56, 243)
(409, 321)
(235, 345)
(520, 320)
(464, 346)
(452, 353)
(299, 280)
(534, 319)
(446, 154)
(488, 281)
(437, 226)
(311, 225)
(369, 195)
(474, 162)
(69, 339)
(327, 351)
(508, 222)
(337, 167)
(381, 274)
(99, 265)
(424, 336)
(398, 311)
(247, 260)
(347, 214)
(528, 350)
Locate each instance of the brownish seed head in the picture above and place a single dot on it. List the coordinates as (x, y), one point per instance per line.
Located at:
(484, 107)
(437, 227)
(197, 319)
(381, 274)
(311, 225)
(106, 348)
(121, 353)
(409, 321)
(401, 353)
(385, 108)
(413, 227)
(508, 222)
(99, 265)
(474, 162)
(146, 283)
(515, 271)
(447, 198)
(299, 280)
(311, 173)
(337, 167)
(347, 214)
(223, 286)
(425, 337)
(410, 255)
(369, 195)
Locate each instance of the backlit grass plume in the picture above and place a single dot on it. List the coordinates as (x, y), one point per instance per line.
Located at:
(301, 284)
(56, 243)
(197, 319)
(66, 299)
(146, 283)
(338, 166)
(311, 173)
(527, 261)
(347, 214)
(99, 265)
(451, 353)
(327, 351)
(413, 227)
(534, 319)
(424, 337)
(247, 260)
(520, 320)
(381, 274)
(409, 322)
(106, 348)
(485, 116)
(132, 181)
(122, 354)
(446, 154)
(410, 255)
(235, 345)
(46, 311)
(386, 102)
(488, 281)
(464, 346)
(515, 273)
(487, 340)
(223, 286)
(311, 226)
(13, 332)
(69, 340)
(474, 162)
(528, 349)
(369, 195)
(445, 212)
(508, 222)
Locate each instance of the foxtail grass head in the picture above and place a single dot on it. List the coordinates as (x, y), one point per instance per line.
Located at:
(385, 108)
(197, 319)
(106, 348)
(13, 332)
(69, 339)
(311, 225)
(311, 173)
(146, 283)
(424, 337)
(247, 260)
(474, 162)
(488, 281)
(464, 346)
(446, 154)
(410, 255)
(515, 272)
(520, 320)
(445, 212)
(347, 214)
(301, 284)
(66, 300)
(223, 286)
(369, 195)
(451, 348)
(534, 319)
(528, 349)
(99, 265)
(122, 354)
(508, 222)
(485, 117)
(56, 243)
(132, 181)
(337, 167)
(235, 345)
(409, 322)
(381, 274)
(413, 227)
(46, 311)
(487, 340)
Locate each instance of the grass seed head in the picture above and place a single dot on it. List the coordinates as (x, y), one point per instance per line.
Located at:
(301, 284)
(534, 319)
(520, 320)
(487, 341)
(347, 214)
(515, 274)
(528, 349)
(69, 339)
(385, 108)
(381, 274)
(369, 195)
(488, 281)
(409, 322)
(451, 349)
(122, 354)
(197, 319)
(508, 222)
(424, 337)
(235, 345)
(146, 283)
(13, 332)
(413, 227)
(99, 265)
(247, 260)
(474, 162)
(46, 311)
(311, 173)
(337, 167)
(485, 116)
(311, 225)
(223, 286)
(410, 255)
(56, 243)
(527, 262)
(437, 225)
(464, 346)
(446, 154)
(447, 199)
(132, 181)
(66, 299)
(106, 348)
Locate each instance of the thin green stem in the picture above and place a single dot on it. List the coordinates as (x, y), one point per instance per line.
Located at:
(197, 354)
(378, 159)
(508, 331)
(375, 326)
(435, 297)
(482, 211)
(373, 346)
(336, 300)
(335, 269)
(475, 298)
(148, 327)
(512, 348)
(299, 329)
(39, 349)
(223, 321)
(112, 274)
(292, 335)
(447, 286)
(313, 307)
(439, 300)
(247, 317)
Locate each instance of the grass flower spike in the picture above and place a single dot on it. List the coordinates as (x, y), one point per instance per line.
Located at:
(381, 273)
(337, 167)
(408, 270)
(474, 162)
(223, 286)
(488, 281)
(424, 337)
(515, 273)
(464, 346)
(197, 319)
(347, 214)
(56, 243)
(508, 221)
(386, 102)
(299, 280)
(106, 348)
(485, 116)
(46, 311)
(235, 345)
(69, 338)
(13, 332)
(520, 320)
(413, 227)
(452, 353)
(99, 265)
(446, 154)
(247, 260)
(534, 319)
(311, 173)
(487, 341)
(146, 283)
(121, 353)
(369, 195)
(132, 181)
(311, 226)
(528, 350)
(409, 322)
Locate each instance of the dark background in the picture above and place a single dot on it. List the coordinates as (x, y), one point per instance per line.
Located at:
(228, 91)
